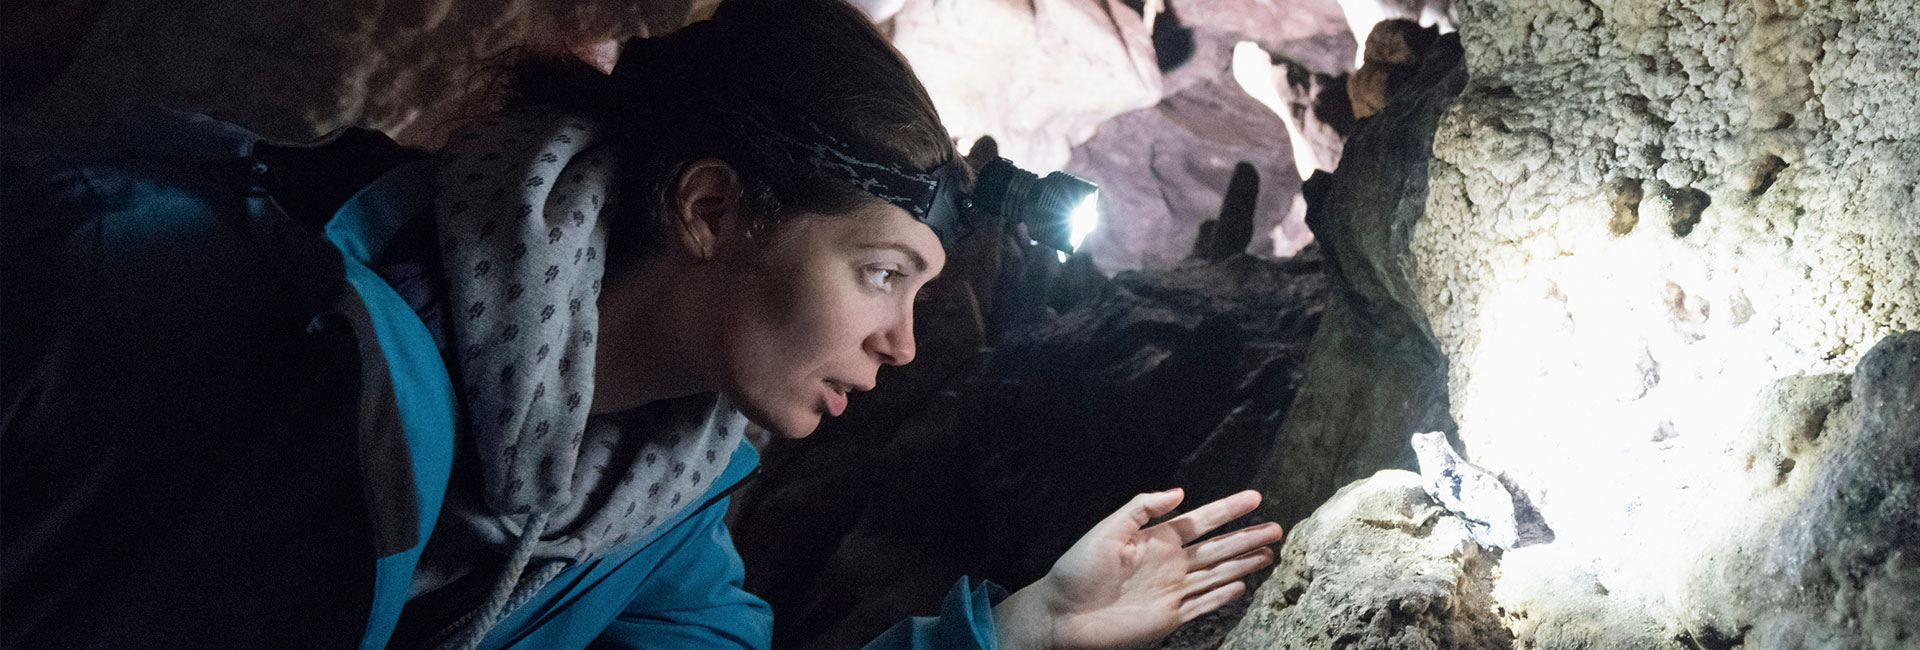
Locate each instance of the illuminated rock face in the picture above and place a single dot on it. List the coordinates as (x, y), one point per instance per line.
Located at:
(1380, 566)
(1038, 76)
(1657, 234)
(1842, 568)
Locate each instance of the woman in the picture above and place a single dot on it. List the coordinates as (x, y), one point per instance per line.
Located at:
(496, 397)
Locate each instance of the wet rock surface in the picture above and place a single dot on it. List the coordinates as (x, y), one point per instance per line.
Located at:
(1378, 566)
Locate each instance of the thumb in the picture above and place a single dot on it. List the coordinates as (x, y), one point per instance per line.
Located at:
(1142, 509)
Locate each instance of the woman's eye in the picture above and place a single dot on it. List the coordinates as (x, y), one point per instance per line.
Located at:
(882, 277)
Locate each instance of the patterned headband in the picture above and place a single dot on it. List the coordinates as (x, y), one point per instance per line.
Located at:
(934, 197)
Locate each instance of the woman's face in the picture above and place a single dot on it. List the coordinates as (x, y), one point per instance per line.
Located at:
(810, 316)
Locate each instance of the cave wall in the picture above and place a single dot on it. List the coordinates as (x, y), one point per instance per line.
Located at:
(1657, 241)
(294, 71)
(1040, 76)
(1637, 250)
(1650, 222)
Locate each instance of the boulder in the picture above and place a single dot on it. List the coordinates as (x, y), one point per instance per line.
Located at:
(1380, 566)
(1840, 566)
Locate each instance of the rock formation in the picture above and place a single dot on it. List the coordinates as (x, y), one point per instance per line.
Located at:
(1376, 375)
(1656, 238)
(1038, 76)
(296, 70)
(1616, 363)
(1654, 263)
(1380, 566)
(1164, 169)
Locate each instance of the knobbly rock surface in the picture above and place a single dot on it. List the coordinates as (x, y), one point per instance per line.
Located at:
(1840, 566)
(1379, 566)
(1651, 228)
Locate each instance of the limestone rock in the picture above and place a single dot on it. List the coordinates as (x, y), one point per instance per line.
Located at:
(1313, 33)
(1644, 219)
(1841, 568)
(1394, 51)
(1379, 566)
(299, 70)
(1163, 170)
(1375, 374)
(1038, 76)
(1497, 513)
(1227, 234)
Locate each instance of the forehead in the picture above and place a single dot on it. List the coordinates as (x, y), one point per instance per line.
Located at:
(876, 225)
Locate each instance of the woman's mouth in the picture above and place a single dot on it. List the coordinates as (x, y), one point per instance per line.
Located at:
(836, 399)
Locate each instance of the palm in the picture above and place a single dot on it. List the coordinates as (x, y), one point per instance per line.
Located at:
(1125, 583)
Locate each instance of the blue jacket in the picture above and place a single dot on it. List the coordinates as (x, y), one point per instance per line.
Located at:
(223, 429)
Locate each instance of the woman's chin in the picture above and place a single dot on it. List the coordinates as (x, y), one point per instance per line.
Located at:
(783, 418)
(791, 423)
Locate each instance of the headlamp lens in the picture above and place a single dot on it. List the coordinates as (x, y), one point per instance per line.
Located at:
(1058, 210)
(1085, 219)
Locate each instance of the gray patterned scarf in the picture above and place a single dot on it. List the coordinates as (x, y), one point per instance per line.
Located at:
(519, 210)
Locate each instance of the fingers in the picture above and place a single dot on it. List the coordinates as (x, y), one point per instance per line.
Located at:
(1230, 570)
(1193, 607)
(1232, 544)
(1142, 509)
(1193, 525)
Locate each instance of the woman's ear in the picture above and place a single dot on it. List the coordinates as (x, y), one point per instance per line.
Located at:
(706, 206)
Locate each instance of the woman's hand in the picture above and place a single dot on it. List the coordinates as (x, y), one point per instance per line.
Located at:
(1125, 584)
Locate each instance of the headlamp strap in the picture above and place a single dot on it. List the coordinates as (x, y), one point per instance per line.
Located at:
(933, 197)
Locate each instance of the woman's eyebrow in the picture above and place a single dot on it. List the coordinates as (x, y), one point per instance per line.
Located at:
(912, 255)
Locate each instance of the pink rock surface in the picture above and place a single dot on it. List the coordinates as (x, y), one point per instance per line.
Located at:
(1164, 169)
(1311, 32)
(1038, 76)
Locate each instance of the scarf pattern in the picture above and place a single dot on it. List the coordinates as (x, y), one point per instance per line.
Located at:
(521, 208)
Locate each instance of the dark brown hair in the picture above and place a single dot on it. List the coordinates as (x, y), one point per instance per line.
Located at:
(704, 91)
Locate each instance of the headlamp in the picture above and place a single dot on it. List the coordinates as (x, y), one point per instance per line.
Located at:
(1058, 210)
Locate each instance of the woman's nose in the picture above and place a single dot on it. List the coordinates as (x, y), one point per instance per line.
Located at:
(894, 344)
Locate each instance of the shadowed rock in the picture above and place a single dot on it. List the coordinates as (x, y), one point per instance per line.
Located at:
(1375, 373)
(1229, 233)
